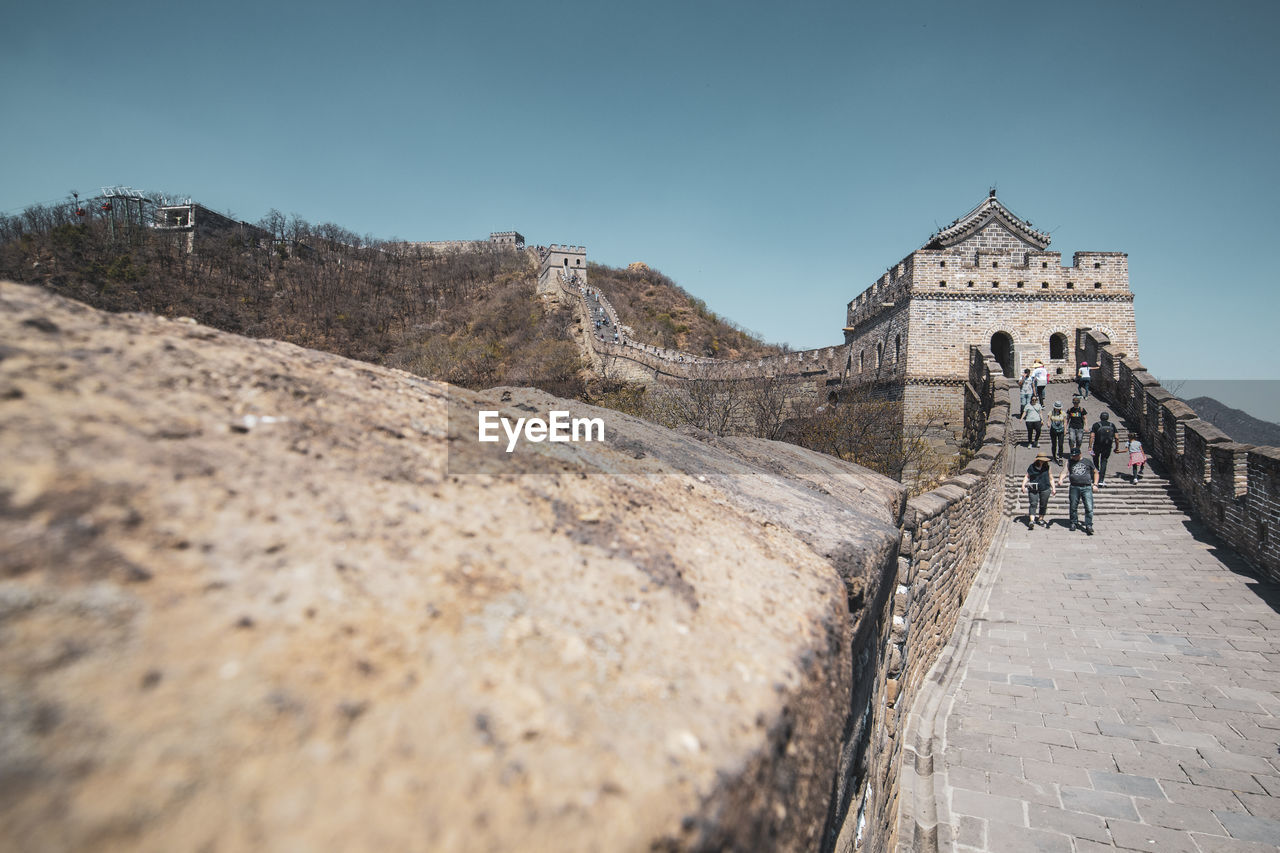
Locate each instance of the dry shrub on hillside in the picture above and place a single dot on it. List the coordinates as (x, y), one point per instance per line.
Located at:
(859, 428)
(871, 431)
(661, 313)
(467, 317)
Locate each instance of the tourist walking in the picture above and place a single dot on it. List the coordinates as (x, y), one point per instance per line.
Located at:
(1083, 476)
(1137, 458)
(1032, 415)
(1057, 431)
(1040, 374)
(1038, 484)
(1075, 424)
(1082, 380)
(1025, 389)
(1105, 438)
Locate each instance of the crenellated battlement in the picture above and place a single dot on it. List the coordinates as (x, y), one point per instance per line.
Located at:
(1034, 275)
(1234, 488)
(987, 280)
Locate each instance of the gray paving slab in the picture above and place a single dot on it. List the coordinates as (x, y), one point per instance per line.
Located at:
(1115, 691)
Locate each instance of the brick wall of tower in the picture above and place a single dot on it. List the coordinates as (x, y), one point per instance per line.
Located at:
(944, 324)
(992, 282)
(877, 349)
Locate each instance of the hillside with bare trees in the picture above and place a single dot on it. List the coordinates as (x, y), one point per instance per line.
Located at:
(664, 314)
(470, 318)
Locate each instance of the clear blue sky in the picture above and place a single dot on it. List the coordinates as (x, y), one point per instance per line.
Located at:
(773, 159)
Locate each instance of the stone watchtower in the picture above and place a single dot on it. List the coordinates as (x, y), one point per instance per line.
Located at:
(985, 279)
(556, 261)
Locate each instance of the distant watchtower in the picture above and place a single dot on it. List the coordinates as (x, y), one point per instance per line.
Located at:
(569, 262)
(507, 239)
(986, 279)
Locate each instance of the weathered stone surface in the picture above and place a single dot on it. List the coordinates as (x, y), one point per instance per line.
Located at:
(246, 602)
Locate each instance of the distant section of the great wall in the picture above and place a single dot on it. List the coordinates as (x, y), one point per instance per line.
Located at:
(332, 585)
(985, 281)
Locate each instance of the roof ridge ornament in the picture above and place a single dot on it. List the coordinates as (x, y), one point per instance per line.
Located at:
(989, 210)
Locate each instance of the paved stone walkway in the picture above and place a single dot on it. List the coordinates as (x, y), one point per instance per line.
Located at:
(1114, 691)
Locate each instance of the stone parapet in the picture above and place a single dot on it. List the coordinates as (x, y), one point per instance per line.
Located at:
(661, 641)
(1233, 488)
(816, 366)
(946, 533)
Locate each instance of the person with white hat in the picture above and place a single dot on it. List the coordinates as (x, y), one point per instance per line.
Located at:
(1040, 374)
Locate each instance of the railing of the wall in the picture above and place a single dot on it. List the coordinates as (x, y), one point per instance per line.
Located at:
(1233, 488)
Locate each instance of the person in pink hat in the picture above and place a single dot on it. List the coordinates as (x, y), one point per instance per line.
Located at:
(1082, 379)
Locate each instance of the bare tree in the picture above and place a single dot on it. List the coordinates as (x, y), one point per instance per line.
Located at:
(767, 405)
(872, 431)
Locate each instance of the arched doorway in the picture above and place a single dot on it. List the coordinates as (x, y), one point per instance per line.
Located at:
(1002, 349)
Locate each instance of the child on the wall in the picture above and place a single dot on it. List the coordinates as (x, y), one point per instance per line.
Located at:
(1137, 458)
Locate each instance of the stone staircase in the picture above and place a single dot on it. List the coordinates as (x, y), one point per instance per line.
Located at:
(1152, 495)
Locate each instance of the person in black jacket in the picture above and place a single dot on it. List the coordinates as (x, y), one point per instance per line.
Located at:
(1104, 439)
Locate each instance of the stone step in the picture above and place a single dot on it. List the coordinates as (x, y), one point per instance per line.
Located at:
(1015, 507)
(1149, 496)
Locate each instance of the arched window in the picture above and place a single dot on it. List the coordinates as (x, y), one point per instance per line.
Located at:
(1057, 346)
(862, 360)
(879, 353)
(897, 348)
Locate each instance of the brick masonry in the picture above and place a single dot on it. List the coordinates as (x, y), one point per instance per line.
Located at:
(946, 533)
(1233, 488)
(986, 280)
(924, 333)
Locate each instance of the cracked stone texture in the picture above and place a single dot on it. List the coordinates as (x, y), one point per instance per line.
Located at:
(249, 600)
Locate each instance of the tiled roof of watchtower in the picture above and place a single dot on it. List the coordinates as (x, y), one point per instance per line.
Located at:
(991, 210)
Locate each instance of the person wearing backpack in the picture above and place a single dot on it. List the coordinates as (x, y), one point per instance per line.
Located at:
(1105, 438)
